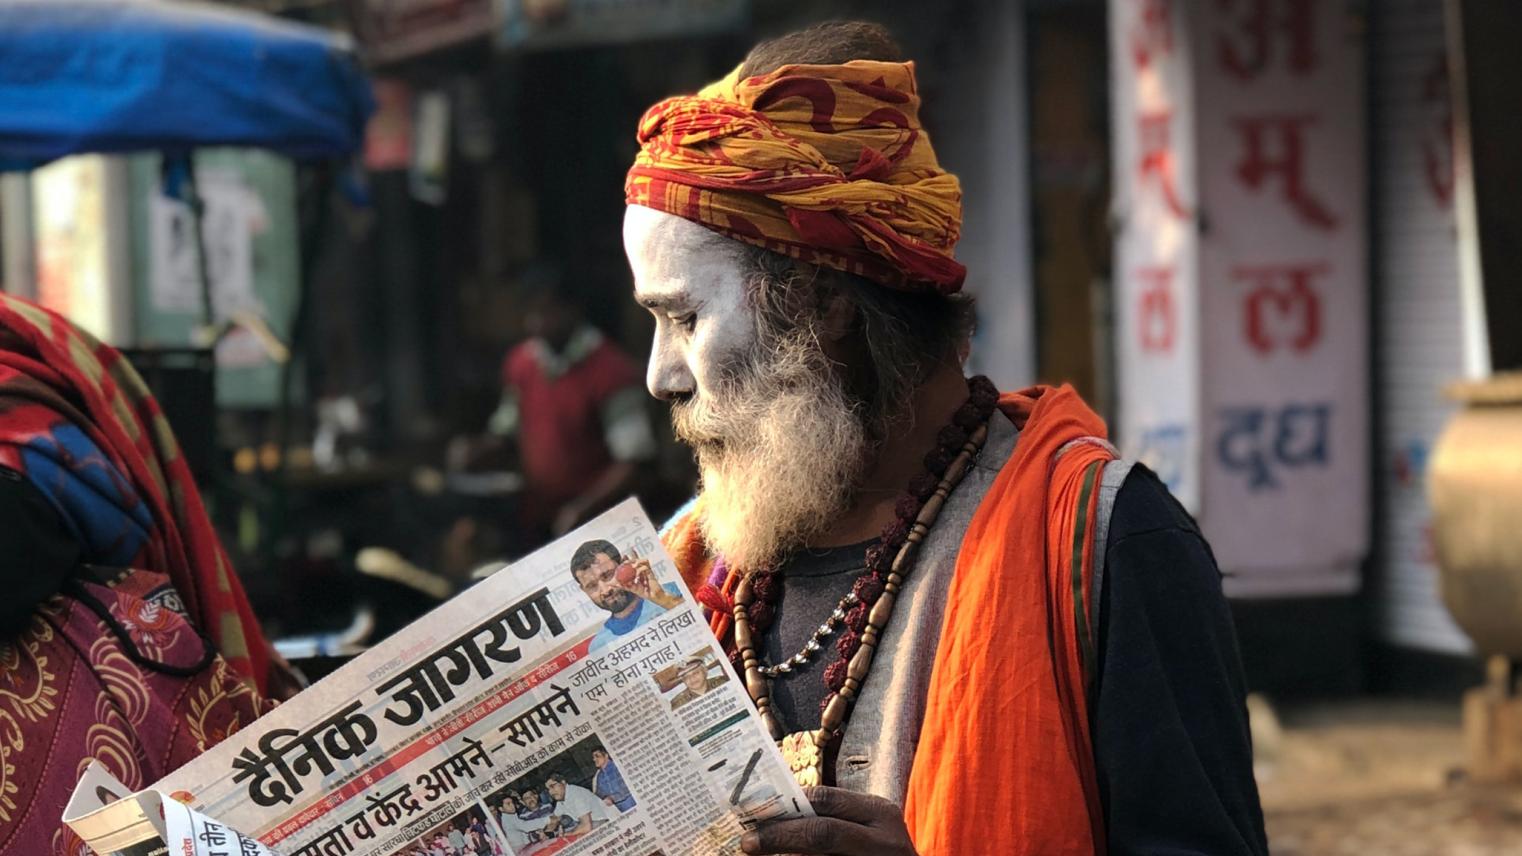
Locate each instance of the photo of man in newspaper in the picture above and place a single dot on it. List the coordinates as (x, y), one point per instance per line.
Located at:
(609, 782)
(627, 587)
(697, 676)
(524, 816)
(570, 795)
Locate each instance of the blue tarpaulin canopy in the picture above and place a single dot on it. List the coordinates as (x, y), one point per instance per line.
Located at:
(131, 75)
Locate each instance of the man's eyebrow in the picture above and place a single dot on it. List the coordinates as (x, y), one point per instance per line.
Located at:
(661, 301)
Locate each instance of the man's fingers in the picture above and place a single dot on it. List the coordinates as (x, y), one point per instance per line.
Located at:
(847, 805)
(646, 577)
(813, 836)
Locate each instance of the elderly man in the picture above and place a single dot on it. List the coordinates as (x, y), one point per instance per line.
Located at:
(956, 609)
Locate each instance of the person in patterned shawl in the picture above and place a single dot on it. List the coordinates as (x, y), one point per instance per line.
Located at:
(125, 636)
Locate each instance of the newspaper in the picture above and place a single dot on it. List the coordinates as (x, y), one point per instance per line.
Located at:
(146, 823)
(527, 716)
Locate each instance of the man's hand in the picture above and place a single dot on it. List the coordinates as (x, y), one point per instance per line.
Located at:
(648, 587)
(848, 824)
(607, 800)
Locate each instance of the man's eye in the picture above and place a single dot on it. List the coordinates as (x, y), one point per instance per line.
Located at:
(686, 322)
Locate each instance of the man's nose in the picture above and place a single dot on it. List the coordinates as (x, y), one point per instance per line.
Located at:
(667, 376)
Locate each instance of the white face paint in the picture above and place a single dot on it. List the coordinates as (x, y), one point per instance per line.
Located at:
(693, 281)
(779, 443)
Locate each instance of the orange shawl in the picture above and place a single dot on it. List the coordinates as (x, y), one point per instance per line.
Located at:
(1005, 763)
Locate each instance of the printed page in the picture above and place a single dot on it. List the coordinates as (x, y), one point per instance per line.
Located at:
(540, 712)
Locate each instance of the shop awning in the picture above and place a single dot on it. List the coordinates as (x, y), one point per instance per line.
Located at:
(132, 75)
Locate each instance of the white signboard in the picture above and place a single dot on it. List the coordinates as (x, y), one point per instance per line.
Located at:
(1283, 293)
(1242, 288)
(1157, 246)
(232, 214)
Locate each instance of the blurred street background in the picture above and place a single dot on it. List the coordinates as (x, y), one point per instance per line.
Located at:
(1378, 776)
(1271, 240)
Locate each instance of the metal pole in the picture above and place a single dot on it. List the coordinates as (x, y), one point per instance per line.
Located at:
(203, 268)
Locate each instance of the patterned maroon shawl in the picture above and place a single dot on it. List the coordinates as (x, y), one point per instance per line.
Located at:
(150, 654)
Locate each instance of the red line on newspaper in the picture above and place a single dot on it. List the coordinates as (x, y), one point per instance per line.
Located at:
(405, 755)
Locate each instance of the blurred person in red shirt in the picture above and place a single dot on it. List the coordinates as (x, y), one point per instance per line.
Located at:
(575, 404)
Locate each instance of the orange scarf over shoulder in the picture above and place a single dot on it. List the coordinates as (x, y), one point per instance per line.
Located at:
(1005, 763)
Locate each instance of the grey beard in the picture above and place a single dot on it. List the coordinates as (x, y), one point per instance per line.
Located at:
(781, 448)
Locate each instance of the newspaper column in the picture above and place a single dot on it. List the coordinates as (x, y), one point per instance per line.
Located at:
(1267, 141)
(1157, 244)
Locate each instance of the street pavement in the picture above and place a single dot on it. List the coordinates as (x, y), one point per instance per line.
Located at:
(1377, 777)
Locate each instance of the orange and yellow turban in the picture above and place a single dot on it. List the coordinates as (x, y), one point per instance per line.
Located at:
(827, 164)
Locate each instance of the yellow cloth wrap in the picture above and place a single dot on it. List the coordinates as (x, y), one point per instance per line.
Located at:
(827, 164)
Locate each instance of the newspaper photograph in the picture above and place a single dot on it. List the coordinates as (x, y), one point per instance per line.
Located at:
(574, 702)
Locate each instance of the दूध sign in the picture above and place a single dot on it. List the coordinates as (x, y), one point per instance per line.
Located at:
(1241, 278)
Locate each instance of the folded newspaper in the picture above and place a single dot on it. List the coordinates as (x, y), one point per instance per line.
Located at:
(530, 715)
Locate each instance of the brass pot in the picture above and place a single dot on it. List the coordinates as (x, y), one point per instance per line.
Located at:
(1475, 488)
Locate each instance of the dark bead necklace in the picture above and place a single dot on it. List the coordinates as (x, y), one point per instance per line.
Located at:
(865, 610)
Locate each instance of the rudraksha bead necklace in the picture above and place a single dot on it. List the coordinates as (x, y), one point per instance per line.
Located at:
(866, 609)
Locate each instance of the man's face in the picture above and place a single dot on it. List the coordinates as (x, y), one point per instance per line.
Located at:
(696, 679)
(599, 584)
(531, 799)
(556, 789)
(781, 444)
(600, 759)
(693, 281)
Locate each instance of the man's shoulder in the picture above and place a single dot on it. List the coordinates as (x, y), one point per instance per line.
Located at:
(605, 635)
(1156, 554)
(1145, 504)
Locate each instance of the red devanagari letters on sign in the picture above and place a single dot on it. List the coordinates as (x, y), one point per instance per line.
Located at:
(1152, 34)
(1154, 138)
(1283, 307)
(1437, 140)
(1274, 146)
(1156, 314)
(1246, 46)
